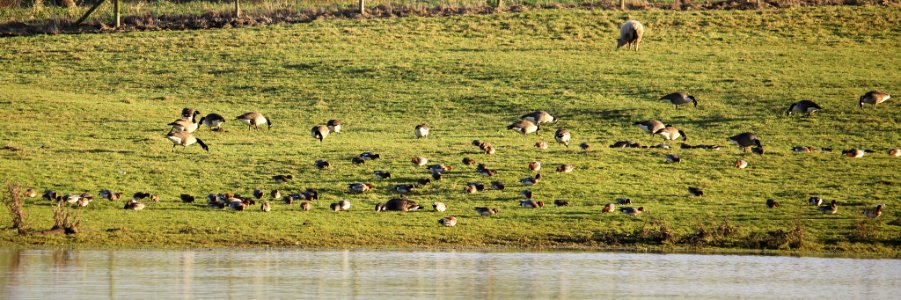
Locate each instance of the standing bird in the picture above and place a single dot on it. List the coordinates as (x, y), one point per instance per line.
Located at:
(214, 121)
(805, 106)
(609, 208)
(524, 127)
(747, 140)
(874, 212)
(670, 133)
(448, 221)
(334, 125)
(539, 117)
(680, 98)
(830, 209)
(874, 97)
(562, 136)
(254, 119)
(421, 131)
(673, 158)
(855, 153)
(189, 125)
(650, 126)
(630, 34)
(319, 132)
(185, 139)
(188, 113)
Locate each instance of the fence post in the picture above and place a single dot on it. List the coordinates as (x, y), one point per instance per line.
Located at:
(362, 7)
(118, 16)
(499, 5)
(237, 8)
(622, 4)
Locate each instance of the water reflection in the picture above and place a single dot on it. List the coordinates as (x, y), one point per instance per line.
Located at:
(399, 275)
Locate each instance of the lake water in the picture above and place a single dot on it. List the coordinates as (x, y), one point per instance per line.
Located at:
(257, 274)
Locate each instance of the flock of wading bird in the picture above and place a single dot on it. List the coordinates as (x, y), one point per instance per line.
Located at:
(183, 128)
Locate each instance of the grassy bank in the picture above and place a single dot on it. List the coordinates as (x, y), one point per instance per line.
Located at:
(88, 112)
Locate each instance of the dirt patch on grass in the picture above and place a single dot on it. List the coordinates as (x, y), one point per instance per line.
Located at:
(212, 20)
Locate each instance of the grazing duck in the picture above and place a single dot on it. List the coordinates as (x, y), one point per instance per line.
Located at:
(741, 164)
(425, 181)
(282, 178)
(524, 127)
(265, 207)
(585, 147)
(855, 153)
(650, 126)
(874, 97)
(185, 139)
(497, 185)
(360, 187)
(874, 212)
(357, 161)
(562, 136)
(468, 161)
(805, 106)
(419, 161)
(334, 125)
(155, 198)
(188, 113)
(680, 98)
(894, 152)
(82, 202)
(486, 211)
(488, 149)
(140, 195)
(697, 192)
(134, 205)
(311, 194)
(623, 201)
(541, 145)
(254, 119)
(448, 221)
(746, 141)
(608, 208)
(305, 206)
(439, 206)
(530, 180)
(529, 203)
(670, 133)
(404, 188)
(335, 207)
(486, 172)
(275, 194)
(187, 125)
(815, 201)
(186, 198)
(344, 204)
(771, 203)
(319, 132)
(470, 189)
(322, 164)
(437, 176)
(400, 204)
(477, 185)
(566, 168)
(214, 121)
(802, 149)
(30, 193)
(527, 194)
(382, 174)
(49, 195)
(440, 169)
(421, 131)
(632, 211)
(258, 194)
(673, 158)
(830, 209)
(535, 166)
(561, 203)
(369, 155)
(539, 117)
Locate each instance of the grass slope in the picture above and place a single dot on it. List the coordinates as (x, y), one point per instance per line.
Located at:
(86, 112)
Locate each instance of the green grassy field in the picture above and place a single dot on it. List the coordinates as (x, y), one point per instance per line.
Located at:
(87, 112)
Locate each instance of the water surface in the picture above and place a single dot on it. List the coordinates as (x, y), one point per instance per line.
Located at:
(256, 274)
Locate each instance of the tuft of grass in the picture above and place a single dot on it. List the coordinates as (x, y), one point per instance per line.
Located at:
(14, 207)
(64, 219)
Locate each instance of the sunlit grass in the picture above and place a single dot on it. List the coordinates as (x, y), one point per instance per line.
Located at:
(86, 112)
